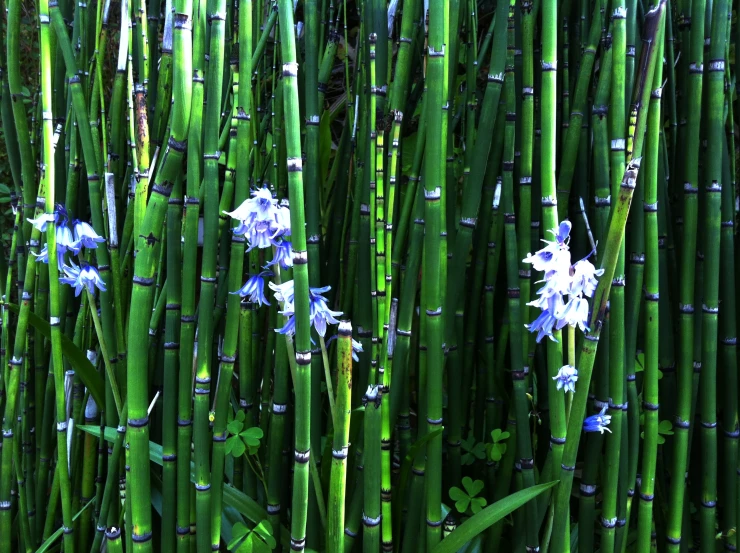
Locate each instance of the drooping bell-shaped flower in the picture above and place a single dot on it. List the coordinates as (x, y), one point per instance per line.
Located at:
(583, 280)
(598, 422)
(356, 348)
(85, 276)
(40, 222)
(85, 236)
(283, 255)
(254, 289)
(574, 313)
(284, 293)
(566, 378)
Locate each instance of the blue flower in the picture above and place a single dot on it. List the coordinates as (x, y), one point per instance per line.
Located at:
(289, 327)
(40, 222)
(356, 348)
(566, 378)
(64, 239)
(85, 236)
(284, 293)
(43, 255)
(597, 423)
(283, 255)
(261, 219)
(546, 321)
(85, 276)
(255, 289)
(574, 313)
(320, 314)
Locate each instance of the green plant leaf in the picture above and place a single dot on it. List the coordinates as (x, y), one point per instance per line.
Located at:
(473, 487)
(487, 517)
(666, 428)
(477, 503)
(77, 358)
(240, 416)
(55, 536)
(238, 448)
(235, 426)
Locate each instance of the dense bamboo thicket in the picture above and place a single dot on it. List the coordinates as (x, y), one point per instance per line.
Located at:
(368, 275)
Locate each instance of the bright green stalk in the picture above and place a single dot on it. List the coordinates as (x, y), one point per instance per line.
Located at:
(201, 432)
(550, 221)
(686, 321)
(710, 297)
(371, 515)
(340, 448)
(652, 33)
(434, 277)
(617, 133)
(518, 369)
(572, 137)
(300, 277)
(652, 285)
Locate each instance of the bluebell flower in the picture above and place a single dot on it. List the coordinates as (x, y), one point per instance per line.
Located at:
(255, 289)
(566, 378)
(321, 315)
(40, 222)
(584, 278)
(85, 276)
(43, 255)
(574, 313)
(543, 325)
(261, 219)
(356, 348)
(284, 293)
(283, 255)
(85, 236)
(64, 239)
(597, 423)
(289, 327)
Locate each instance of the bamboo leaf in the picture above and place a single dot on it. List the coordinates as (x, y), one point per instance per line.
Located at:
(77, 358)
(51, 539)
(488, 517)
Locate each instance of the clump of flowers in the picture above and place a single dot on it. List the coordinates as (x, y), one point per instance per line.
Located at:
(577, 282)
(265, 223)
(71, 241)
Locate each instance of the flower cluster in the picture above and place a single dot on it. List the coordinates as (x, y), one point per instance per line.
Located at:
(566, 378)
(578, 282)
(71, 240)
(265, 223)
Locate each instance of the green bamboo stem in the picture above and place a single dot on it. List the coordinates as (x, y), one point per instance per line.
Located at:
(371, 512)
(340, 447)
(300, 277)
(652, 287)
(434, 264)
(710, 297)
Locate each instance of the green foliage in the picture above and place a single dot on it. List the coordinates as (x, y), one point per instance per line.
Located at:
(468, 497)
(242, 440)
(473, 450)
(257, 540)
(497, 449)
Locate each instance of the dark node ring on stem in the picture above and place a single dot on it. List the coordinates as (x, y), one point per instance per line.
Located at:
(279, 408)
(686, 308)
(697, 366)
(730, 547)
(710, 310)
(609, 523)
(182, 530)
(729, 341)
(302, 457)
(709, 424)
(588, 490)
(138, 423)
(143, 281)
(202, 487)
(647, 497)
(303, 358)
(567, 468)
(526, 464)
(171, 345)
(650, 406)
(680, 423)
(169, 457)
(557, 441)
(434, 422)
(673, 541)
(141, 538)
(420, 472)
(273, 509)
(340, 454)
(532, 548)
(733, 434)
(621, 522)
(433, 523)
(711, 504)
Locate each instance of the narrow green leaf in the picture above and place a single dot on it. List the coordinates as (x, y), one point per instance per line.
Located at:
(55, 536)
(487, 517)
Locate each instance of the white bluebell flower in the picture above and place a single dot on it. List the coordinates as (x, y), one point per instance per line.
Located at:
(566, 378)
(282, 221)
(64, 239)
(289, 327)
(574, 313)
(255, 289)
(40, 222)
(544, 324)
(85, 276)
(356, 348)
(85, 236)
(283, 255)
(261, 219)
(583, 280)
(284, 293)
(597, 423)
(43, 255)
(321, 315)
(555, 256)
